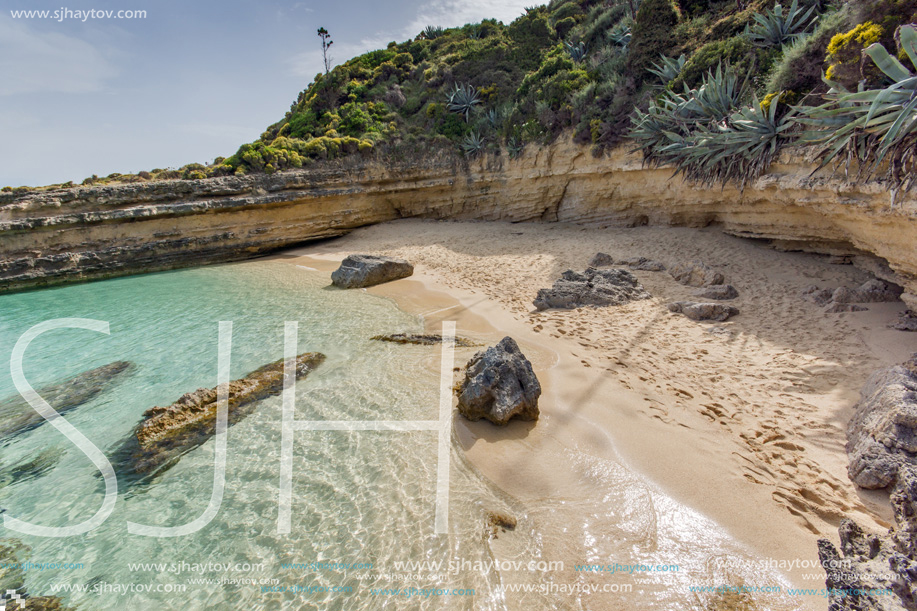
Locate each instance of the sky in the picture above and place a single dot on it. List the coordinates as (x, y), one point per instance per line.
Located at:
(190, 81)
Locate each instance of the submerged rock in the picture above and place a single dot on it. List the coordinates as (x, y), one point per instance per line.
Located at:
(869, 562)
(721, 292)
(359, 271)
(882, 435)
(426, 339)
(165, 433)
(594, 287)
(36, 466)
(498, 521)
(703, 311)
(696, 273)
(13, 555)
(17, 416)
(499, 385)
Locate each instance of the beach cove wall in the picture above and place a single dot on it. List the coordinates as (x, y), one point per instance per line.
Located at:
(84, 233)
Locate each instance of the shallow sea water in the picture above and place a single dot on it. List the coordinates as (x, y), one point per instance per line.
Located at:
(362, 501)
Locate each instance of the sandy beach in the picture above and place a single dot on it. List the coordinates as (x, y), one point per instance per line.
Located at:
(742, 422)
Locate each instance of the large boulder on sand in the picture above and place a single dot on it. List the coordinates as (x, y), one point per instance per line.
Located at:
(499, 384)
(593, 287)
(720, 292)
(696, 273)
(882, 435)
(359, 271)
(703, 311)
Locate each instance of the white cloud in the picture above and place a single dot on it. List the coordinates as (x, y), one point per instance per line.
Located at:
(48, 62)
(452, 13)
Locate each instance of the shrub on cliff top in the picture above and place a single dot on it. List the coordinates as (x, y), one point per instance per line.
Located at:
(651, 35)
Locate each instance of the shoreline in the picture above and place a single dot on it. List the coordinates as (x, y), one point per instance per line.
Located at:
(595, 411)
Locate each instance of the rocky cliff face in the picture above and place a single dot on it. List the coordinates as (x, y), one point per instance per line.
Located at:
(97, 232)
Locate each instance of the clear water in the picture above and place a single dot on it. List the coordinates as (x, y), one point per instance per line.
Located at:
(362, 498)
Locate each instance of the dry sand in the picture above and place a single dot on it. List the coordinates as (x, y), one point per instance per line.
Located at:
(741, 421)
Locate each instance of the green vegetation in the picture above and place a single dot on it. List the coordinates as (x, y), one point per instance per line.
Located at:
(679, 79)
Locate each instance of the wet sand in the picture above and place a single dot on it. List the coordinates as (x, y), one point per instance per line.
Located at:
(743, 425)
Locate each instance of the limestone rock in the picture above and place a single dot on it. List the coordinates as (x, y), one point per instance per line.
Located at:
(836, 308)
(426, 339)
(594, 287)
(876, 562)
(882, 435)
(359, 271)
(720, 292)
(703, 311)
(165, 433)
(872, 291)
(643, 264)
(602, 260)
(499, 385)
(17, 416)
(907, 321)
(696, 273)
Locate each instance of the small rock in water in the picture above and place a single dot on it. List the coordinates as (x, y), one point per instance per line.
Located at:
(360, 271)
(696, 273)
(499, 385)
(498, 521)
(594, 287)
(427, 339)
(720, 292)
(703, 311)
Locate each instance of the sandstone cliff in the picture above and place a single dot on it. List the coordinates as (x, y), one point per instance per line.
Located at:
(96, 232)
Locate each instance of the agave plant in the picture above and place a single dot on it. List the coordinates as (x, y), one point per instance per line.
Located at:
(473, 144)
(873, 126)
(669, 69)
(577, 52)
(620, 35)
(433, 31)
(514, 147)
(774, 28)
(463, 99)
(494, 118)
(707, 136)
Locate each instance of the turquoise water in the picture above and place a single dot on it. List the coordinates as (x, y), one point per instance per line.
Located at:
(363, 502)
(359, 498)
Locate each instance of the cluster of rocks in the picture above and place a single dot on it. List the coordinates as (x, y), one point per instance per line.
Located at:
(166, 433)
(499, 385)
(876, 572)
(845, 299)
(360, 271)
(639, 263)
(593, 287)
(882, 435)
(696, 273)
(424, 339)
(17, 416)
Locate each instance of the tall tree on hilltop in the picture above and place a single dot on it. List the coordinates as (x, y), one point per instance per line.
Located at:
(326, 44)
